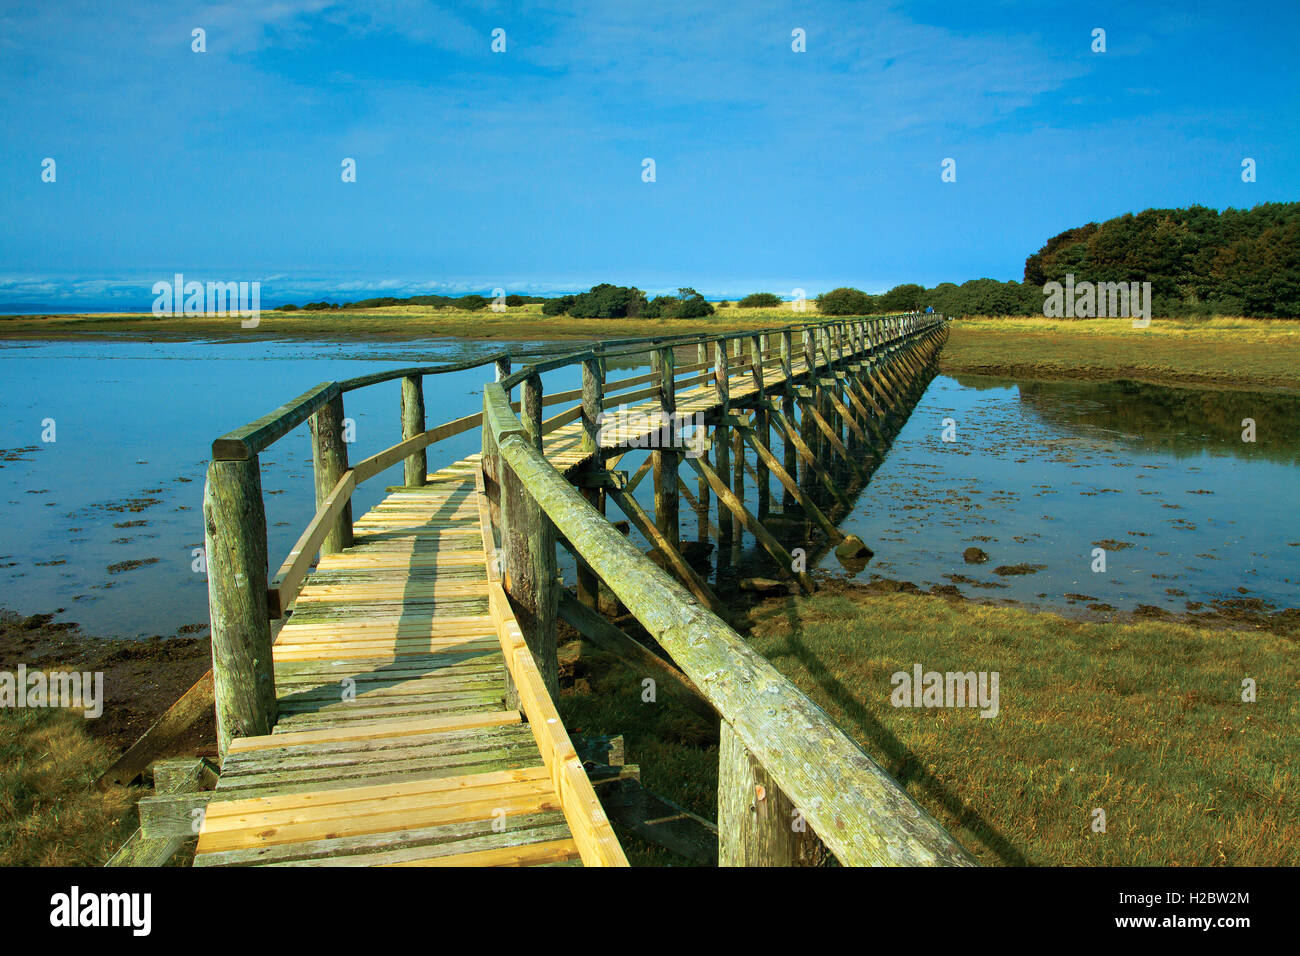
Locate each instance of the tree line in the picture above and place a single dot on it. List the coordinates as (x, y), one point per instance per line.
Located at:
(1200, 263)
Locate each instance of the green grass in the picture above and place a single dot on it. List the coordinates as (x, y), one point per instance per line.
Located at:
(1144, 720)
(676, 750)
(1254, 353)
(524, 322)
(50, 814)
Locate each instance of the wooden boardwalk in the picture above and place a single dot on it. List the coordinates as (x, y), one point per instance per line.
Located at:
(392, 742)
(392, 746)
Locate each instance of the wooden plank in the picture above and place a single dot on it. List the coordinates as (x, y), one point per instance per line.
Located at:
(391, 728)
(527, 855)
(591, 829)
(162, 736)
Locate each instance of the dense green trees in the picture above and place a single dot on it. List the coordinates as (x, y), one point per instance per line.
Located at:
(607, 301)
(845, 301)
(687, 304)
(557, 306)
(1198, 261)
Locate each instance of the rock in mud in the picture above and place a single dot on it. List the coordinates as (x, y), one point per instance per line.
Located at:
(853, 548)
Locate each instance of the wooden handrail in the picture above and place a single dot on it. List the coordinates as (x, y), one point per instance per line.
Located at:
(235, 512)
(862, 815)
(243, 443)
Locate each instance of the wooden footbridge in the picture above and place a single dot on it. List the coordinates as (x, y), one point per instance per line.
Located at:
(404, 713)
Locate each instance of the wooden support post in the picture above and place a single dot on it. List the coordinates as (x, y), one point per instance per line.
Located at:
(760, 425)
(528, 546)
(721, 444)
(791, 486)
(811, 467)
(416, 465)
(787, 406)
(673, 559)
(765, 539)
(702, 501)
(234, 523)
(807, 430)
(329, 455)
(666, 455)
(834, 440)
(757, 823)
(593, 396)
(738, 482)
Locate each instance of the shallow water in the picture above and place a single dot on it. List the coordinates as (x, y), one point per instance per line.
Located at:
(123, 480)
(1041, 474)
(102, 522)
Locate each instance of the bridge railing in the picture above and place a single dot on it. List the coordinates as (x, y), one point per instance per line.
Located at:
(788, 776)
(813, 763)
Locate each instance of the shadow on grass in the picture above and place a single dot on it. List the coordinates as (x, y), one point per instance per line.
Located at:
(904, 765)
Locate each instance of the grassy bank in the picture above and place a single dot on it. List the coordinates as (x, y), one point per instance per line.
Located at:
(1234, 353)
(397, 323)
(1143, 720)
(50, 814)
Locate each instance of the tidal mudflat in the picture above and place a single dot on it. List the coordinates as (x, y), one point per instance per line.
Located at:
(1041, 475)
(102, 523)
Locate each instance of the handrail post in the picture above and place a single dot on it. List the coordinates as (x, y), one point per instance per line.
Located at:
(757, 823)
(665, 452)
(808, 431)
(789, 452)
(416, 465)
(738, 455)
(329, 453)
(702, 501)
(593, 396)
(763, 432)
(528, 543)
(722, 447)
(234, 537)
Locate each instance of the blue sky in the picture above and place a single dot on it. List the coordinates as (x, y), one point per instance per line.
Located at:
(522, 169)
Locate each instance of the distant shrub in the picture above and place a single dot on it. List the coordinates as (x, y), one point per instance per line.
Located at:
(290, 307)
(513, 300)
(844, 301)
(318, 307)
(901, 298)
(724, 304)
(760, 300)
(471, 303)
(691, 305)
(558, 305)
(686, 304)
(606, 301)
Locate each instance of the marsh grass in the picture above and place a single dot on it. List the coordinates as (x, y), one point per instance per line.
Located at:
(524, 323)
(1142, 720)
(50, 814)
(676, 750)
(1231, 352)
